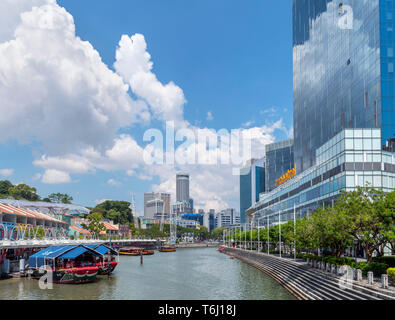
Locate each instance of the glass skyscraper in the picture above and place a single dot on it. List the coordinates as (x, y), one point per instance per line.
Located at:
(343, 60)
(252, 183)
(279, 159)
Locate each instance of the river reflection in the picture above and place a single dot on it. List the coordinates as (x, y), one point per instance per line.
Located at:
(188, 274)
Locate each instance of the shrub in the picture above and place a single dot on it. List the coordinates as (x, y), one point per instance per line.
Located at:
(389, 260)
(361, 265)
(391, 275)
(377, 268)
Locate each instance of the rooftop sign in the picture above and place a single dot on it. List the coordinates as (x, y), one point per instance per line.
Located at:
(289, 175)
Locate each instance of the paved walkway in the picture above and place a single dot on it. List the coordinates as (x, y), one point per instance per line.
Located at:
(307, 283)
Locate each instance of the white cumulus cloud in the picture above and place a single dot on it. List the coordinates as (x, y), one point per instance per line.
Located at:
(6, 172)
(54, 87)
(52, 176)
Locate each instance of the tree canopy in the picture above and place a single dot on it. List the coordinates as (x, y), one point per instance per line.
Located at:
(365, 215)
(60, 198)
(117, 211)
(23, 192)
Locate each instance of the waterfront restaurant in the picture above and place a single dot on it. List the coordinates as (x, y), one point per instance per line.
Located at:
(352, 158)
(17, 223)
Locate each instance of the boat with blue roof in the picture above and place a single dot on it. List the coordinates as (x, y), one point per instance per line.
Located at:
(72, 264)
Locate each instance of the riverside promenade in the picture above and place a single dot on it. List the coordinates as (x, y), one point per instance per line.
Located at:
(198, 245)
(307, 283)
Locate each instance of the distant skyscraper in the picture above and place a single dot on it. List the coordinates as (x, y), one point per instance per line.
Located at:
(165, 197)
(182, 185)
(252, 183)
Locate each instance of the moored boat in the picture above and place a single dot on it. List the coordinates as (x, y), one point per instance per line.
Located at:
(132, 251)
(107, 262)
(66, 264)
(167, 249)
(129, 251)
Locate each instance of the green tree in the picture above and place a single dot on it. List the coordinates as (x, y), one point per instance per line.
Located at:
(23, 192)
(305, 234)
(118, 211)
(5, 185)
(331, 229)
(368, 216)
(95, 224)
(60, 198)
(217, 233)
(203, 233)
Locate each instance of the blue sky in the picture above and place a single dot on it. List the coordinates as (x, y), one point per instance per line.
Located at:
(230, 58)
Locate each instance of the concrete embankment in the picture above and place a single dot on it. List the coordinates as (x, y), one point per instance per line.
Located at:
(198, 245)
(306, 283)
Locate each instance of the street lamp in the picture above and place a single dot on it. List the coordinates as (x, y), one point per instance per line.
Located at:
(259, 239)
(245, 236)
(268, 236)
(294, 231)
(279, 226)
(240, 246)
(251, 235)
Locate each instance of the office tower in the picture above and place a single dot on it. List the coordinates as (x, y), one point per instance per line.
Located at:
(154, 209)
(279, 159)
(343, 67)
(252, 183)
(182, 187)
(165, 197)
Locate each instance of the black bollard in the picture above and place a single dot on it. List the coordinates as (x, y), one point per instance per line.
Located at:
(141, 256)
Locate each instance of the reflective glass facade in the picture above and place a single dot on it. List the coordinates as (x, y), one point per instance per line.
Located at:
(343, 60)
(252, 183)
(279, 159)
(352, 158)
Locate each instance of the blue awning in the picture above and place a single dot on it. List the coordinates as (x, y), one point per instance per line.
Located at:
(74, 253)
(102, 249)
(64, 252)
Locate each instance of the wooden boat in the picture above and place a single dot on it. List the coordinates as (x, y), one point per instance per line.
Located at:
(167, 249)
(106, 267)
(129, 251)
(68, 264)
(135, 252)
(147, 252)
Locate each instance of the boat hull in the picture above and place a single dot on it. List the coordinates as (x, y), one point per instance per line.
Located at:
(168, 250)
(103, 269)
(71, 275)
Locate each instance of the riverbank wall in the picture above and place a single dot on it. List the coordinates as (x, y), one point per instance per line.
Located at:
(198, 245)
(307, 283)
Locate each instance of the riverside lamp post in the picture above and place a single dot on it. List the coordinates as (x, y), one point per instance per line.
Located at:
(294, 231)
(245, 236)
(268, 236)
(240, 246)
(259, 239)
(251, 235)
(279, 226)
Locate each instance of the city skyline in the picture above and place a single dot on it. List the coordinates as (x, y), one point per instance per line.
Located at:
(100, 158)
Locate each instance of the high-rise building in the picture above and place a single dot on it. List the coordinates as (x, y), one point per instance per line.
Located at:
(165, 197)
(344, 116)
(154, 209)
(344, 75)
(182, 187)
(227, 218)
(252, 183)
(279, 159)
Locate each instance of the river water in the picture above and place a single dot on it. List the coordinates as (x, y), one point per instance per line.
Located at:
(188, 274)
